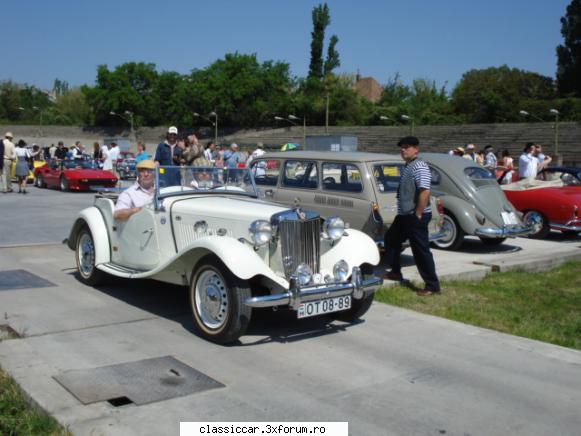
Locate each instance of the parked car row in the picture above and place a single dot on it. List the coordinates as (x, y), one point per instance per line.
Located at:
(297, 230)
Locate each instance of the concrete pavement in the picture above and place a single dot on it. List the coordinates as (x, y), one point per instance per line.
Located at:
(396, 373)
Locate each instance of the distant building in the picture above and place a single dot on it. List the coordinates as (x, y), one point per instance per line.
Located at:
(368, 88)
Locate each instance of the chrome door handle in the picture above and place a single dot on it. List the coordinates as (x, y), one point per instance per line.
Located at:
(268, 192)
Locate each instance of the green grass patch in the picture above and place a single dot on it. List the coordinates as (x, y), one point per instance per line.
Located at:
(18, 417)
(545, 306)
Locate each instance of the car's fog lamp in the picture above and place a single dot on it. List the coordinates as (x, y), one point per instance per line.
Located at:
(304, 274)
(334, 228)
(341, 271)
(260, 232)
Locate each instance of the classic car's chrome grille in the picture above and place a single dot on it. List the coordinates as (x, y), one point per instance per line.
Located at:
(300, 243)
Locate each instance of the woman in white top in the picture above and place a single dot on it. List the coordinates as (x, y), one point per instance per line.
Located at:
(22, 154)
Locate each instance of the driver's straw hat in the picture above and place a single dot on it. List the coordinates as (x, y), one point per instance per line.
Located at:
(146, 165)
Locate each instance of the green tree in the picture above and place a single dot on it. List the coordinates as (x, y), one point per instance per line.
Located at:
(71, 108)
(127, 88)
(317, 69)
(321, 20)
(242, 91)
(569, 54)
(332, 60)
(496, 93)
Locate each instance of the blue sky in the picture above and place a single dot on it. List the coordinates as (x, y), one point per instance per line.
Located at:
(439, 39)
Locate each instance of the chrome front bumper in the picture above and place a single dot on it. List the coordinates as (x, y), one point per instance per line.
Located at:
(503, 232)
(570, 226)
(296, 295)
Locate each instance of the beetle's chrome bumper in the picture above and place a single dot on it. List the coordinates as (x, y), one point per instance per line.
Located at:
(571, 226)
(296, 295)
(503, 232)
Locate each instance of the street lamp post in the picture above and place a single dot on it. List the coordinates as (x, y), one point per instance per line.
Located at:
(556, 113)
(408, 118)
(293, 117)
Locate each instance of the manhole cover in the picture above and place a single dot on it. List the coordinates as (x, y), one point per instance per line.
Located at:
(21, 279)
(140, 382)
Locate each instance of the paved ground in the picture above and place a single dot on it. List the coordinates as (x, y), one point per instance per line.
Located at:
(396, 373)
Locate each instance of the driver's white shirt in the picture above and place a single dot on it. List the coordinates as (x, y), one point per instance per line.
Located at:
(134, 196)
(527, 166)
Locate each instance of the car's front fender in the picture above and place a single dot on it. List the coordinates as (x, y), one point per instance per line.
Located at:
(356, 248)
(239, 257)
(92, 218)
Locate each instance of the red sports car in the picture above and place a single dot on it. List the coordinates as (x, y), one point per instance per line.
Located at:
(77, 175)
(546, 207)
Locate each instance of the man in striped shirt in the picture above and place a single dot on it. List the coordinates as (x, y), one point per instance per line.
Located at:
(413, 216)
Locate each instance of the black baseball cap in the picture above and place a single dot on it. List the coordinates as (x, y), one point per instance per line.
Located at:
(408, 140)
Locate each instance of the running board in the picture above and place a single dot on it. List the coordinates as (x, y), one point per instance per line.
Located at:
(121, 271)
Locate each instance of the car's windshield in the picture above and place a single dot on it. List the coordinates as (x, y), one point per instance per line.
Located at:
(79, 164)
(205, 180)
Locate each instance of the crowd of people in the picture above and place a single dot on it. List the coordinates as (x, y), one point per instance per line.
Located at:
(531, 161)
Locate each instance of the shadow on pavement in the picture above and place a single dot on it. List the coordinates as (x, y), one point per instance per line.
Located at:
(172, 302)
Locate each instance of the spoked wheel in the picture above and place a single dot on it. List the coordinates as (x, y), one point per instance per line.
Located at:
(538, 223)
(39, 182)
(85, 257)
(454, 234)
(217, 299)
(64, 183)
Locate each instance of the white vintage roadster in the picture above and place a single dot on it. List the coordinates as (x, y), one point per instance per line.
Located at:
(207, 229)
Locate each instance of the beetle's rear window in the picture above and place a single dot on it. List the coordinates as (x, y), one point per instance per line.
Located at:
(480, 176)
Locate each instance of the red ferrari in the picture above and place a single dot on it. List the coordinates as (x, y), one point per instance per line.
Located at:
(546, 208)
(76, 175)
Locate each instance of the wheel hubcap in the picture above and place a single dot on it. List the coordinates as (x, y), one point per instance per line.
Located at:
(449, 229)
(211, 299)
(86, 255)
(535, 220)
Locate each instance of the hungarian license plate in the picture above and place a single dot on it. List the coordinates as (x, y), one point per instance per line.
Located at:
(328, 305)
(509, 218)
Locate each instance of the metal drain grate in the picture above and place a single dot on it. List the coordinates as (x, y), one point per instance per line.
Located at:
(140, 382)
(21, 279)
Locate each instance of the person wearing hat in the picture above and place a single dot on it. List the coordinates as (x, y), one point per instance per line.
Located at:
(8, 155)
(413, 216)
(470, 152)
(458, 151)
(137, 195)
(168, 153)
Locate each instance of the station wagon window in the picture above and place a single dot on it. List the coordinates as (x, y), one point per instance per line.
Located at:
(300, 174)
(387, 176)
(341, 177)
(265, 171)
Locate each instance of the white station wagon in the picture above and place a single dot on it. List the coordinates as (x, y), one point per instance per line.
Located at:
(207, 229)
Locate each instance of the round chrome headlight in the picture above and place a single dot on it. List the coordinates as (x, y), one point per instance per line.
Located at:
(341, 271)
(304, 274)
(334, 227)
(260, 232)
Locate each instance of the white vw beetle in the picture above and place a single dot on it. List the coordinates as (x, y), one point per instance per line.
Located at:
(207, 229)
